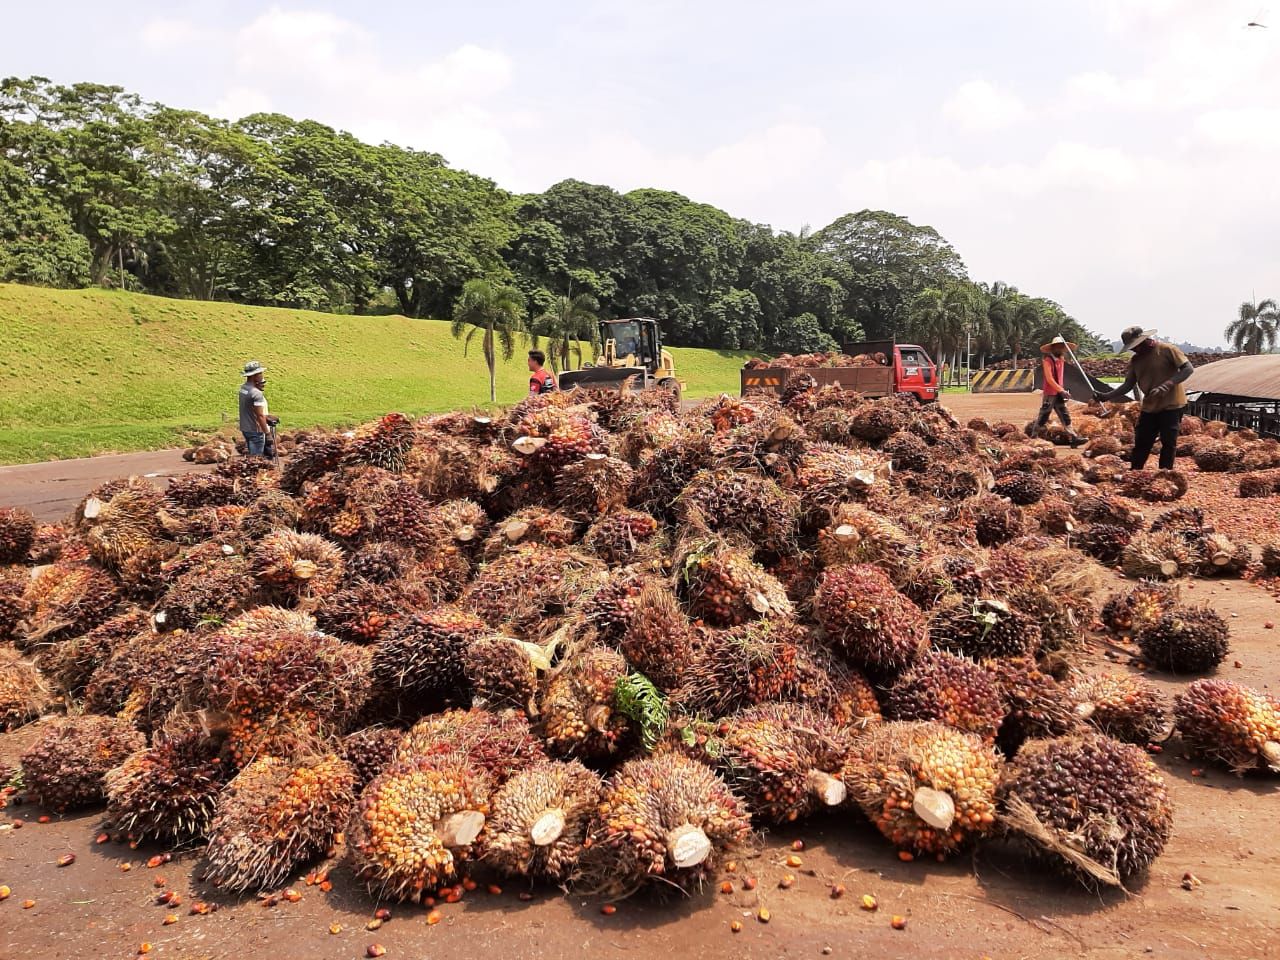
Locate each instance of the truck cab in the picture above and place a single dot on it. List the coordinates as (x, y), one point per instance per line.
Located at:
(914, 372)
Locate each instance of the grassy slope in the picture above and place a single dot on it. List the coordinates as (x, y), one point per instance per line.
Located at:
(93, 371)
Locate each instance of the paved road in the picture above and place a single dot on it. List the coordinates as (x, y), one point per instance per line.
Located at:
(51, 490)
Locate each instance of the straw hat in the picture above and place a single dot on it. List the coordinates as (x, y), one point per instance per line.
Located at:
(1132, 336)
(1045, 348)
(253, 368)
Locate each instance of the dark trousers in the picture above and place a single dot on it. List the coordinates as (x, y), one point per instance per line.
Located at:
(1055, 404)
(1163, 425)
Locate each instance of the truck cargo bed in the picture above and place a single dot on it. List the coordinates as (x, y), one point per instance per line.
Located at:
(868, 381)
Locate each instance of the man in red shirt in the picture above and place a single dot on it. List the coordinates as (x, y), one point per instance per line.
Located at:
(540, 380)
(1056, 394)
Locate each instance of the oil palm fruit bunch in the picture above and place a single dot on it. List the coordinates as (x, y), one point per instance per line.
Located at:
(501, 672)
(1162, 486)
(827, 476)
(658, 639)
(272, 510)
(1054, 516)
(666, 818)
(529, 584)
(908, 452)
(729, 501)
(593, 486)
(1271, 559)
(196, 490)
(383, 443)
(667, 471)
(540, 821)
(859, 535)
(1158, 556)
(825, 683)
(878, 420)
(377, 562)
(939, 577)
(1020, 487)
(464, 522)
(421, 661)
(996, 521)
(415, 825)
(532, 525)
(17, 534)
(726, 412)
(1187, 522)
(982, 628)
(1134, 609)
(1123, 706)
(1185, 640)
(1110, 510)
(1230, 724)
(1094, 807)
(210, 582)
(367, 612)
(735, 667)
(725, 587)
(784, 760)
(1216, 456)
(1258, 485)
(948, 689)
(54, 542)
(798, 393)
(66, 600)
(1222, 557)
(368, 751)
(66, 766)
(119, 527)
(294, 566)
(1105, 467)
(623, 536)
(169, 791)
(496, 742)
(1038, 705)
(1105, 542)
(24, 695)
(580, 716)
(274, 816)
(142, 576)
(201, 523)
(13, 605)
(609, 607)
(867, 620)
(928, 788)
(553, 438)
(311, 459)
(446, 467)
(831, 425)
(796, 570)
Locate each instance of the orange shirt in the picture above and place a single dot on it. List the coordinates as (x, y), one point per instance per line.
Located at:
(1054, 368)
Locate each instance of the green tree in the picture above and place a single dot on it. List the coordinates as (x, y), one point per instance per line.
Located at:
(495, 312)
(566, 324)
(1256, 326)
(803, 334)
(38, 245)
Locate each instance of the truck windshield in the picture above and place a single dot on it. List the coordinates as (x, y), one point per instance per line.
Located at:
(626, 337)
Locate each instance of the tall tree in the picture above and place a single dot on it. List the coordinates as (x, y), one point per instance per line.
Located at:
(495, 312)
(566, 324)
(38, 245)
(1256, 326)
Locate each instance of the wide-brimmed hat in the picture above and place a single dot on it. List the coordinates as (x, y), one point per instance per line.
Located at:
(1045, 348)
(1130, 337)
(253, 368)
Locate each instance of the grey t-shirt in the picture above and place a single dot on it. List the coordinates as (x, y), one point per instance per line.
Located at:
(250, 397)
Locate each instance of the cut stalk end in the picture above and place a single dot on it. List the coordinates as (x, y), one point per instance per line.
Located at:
(688, 846)
(829, 791)
(461, 828)
(934, 807)
(547, 828)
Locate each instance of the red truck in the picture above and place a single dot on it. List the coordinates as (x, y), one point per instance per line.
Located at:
(906, 369)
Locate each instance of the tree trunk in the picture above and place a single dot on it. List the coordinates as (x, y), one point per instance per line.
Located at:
(491, 360)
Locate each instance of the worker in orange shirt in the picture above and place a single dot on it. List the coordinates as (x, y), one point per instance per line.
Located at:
(1056, 394)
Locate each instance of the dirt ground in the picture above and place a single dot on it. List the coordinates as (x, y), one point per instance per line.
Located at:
(991, 904)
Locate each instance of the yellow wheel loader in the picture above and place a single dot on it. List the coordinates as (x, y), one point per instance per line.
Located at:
(631, 357)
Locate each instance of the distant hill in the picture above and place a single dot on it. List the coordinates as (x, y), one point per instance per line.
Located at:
(1188, 348)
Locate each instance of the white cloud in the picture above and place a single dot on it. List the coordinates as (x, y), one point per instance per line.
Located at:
(168, 34)
(240, 102)
(978, 106)
(1251, 128)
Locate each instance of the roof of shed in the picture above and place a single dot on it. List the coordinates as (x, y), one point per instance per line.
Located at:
(1256, 377)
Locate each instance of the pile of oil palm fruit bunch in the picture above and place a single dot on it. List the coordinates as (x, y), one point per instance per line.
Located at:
(597, 641)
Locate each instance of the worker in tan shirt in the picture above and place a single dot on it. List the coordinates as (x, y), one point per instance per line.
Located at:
(1158, 370)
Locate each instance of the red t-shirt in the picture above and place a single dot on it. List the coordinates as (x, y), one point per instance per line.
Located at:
(542, 381)
(1054, 368)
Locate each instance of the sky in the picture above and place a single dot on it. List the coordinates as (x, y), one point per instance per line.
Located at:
(1119, 156)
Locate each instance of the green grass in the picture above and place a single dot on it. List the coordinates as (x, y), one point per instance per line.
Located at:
(95, 371)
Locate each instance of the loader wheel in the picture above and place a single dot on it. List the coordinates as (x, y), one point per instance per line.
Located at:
(671, 385)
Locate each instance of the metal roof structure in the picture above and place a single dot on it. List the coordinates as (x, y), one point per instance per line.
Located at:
(1254, 377)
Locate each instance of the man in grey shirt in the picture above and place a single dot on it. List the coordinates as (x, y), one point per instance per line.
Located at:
(255, 422)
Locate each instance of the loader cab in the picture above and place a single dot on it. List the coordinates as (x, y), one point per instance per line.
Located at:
(635, 337)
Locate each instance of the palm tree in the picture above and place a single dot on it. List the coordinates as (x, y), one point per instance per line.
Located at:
(566, 324)
(496, 311)
(1256, 328)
